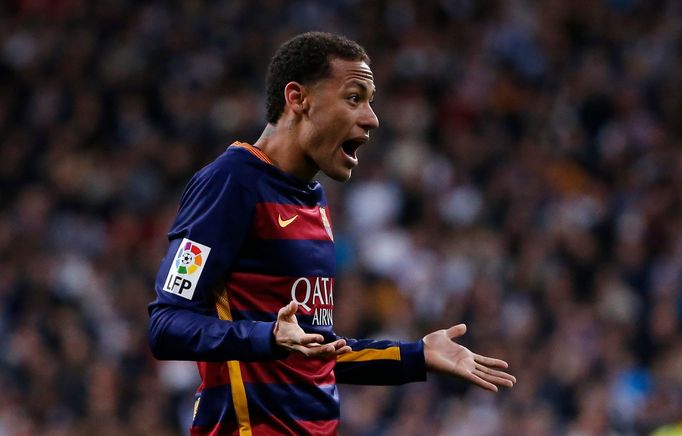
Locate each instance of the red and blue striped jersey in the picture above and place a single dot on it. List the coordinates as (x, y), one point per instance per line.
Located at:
(248, 238)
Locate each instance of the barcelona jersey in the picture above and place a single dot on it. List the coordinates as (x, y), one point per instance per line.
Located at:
(249, 238)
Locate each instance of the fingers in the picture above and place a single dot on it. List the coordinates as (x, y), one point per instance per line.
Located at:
(340, 347)
(495, 373)
(456, 331)
(343, 350)
(490, 379)
(496, 377)
(288, 310)
(309, 339)
(489, 361)
(480, 375)
(449, 357)
(290, 336)
(316, 350)
(478, 381)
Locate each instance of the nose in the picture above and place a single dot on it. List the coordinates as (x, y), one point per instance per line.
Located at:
(368, 120)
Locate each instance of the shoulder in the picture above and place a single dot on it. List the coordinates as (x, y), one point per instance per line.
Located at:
(235, 165)
(233, 161)
(229, 175)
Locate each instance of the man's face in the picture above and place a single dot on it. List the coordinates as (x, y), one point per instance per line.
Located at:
(339, 118)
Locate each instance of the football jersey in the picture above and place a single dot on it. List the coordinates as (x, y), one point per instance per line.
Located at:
(249, 238)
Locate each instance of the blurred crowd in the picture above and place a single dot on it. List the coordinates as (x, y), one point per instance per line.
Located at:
(526, 180)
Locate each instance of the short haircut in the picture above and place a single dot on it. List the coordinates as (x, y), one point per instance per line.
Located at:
(305, 59)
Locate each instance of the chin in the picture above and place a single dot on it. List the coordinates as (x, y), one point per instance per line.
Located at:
(339, 175)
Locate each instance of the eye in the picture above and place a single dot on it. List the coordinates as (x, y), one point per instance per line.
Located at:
(354, 98)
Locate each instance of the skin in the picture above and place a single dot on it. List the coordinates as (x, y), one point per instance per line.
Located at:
(318, 118)
(308, 137)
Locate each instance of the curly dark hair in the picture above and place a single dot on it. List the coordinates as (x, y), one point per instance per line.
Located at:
(305, 59)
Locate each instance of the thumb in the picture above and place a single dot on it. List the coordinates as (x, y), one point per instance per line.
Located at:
(288, 310)
(456, 331)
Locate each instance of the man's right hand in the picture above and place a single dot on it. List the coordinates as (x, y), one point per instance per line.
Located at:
(290, 336)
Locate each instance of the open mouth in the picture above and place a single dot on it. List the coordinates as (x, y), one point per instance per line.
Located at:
(350, 146)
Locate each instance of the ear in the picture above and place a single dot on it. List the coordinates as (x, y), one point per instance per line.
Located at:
(295, 97)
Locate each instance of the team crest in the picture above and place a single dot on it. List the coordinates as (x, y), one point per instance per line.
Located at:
(325, 221)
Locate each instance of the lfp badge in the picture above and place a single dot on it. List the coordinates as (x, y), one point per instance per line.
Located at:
(185, 272)
(189, 259)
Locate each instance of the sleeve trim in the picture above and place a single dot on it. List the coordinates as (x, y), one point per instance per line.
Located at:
(390, 353)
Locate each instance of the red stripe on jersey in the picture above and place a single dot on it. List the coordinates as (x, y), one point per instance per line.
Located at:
(295, 369)
(263, 293)
(219, 429)
(213, 374)
(298, 427)
(288, 221)
(248, 291)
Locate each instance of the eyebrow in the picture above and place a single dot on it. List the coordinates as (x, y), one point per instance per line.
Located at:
(360, 84)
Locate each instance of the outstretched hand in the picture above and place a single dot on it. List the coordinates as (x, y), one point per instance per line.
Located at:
(444, 355)
(290, 336)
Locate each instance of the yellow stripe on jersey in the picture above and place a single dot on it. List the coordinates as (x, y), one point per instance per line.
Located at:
(390, 353)
(241, 406)
(196, 408)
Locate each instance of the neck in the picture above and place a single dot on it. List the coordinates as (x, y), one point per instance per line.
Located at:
(282, 146)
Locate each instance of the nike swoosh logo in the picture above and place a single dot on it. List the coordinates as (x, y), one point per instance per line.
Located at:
(284, 223)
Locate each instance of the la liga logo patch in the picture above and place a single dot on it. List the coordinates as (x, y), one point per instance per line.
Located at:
(185, 271)
(189, 259)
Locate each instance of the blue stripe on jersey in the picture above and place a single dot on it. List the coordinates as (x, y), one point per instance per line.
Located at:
(292, 196)
(215, 405)
(281, 187)
(274, 257)
(285, 401)
(291, 401)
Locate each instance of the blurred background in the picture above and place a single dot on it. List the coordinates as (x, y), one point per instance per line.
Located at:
(526, 179)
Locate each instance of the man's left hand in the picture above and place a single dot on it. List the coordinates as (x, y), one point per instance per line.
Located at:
(445, 356)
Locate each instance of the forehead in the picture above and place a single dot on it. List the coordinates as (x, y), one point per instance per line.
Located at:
(351, 72)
